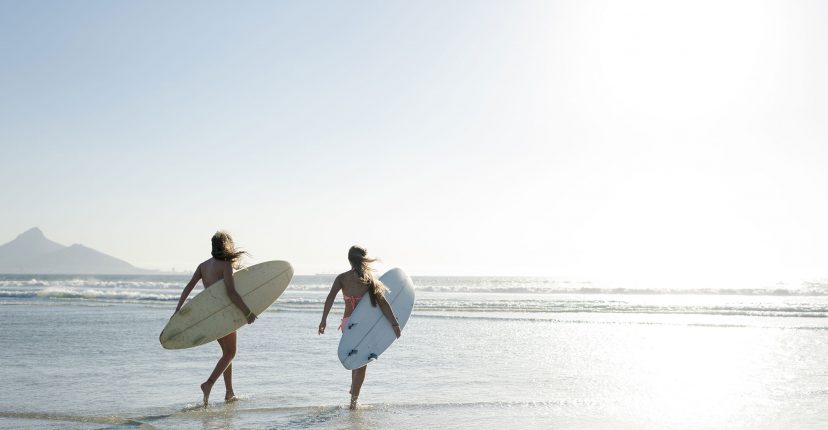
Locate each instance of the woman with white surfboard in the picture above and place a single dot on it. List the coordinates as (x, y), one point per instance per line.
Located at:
(354, 284)
(225, 259)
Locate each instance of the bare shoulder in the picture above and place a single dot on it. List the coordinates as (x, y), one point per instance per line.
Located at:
(346, 277)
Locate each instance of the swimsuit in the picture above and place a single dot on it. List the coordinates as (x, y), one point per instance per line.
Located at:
(353, 300)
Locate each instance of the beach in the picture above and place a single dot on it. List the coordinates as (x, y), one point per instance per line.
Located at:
(83, 352)
(613, 213)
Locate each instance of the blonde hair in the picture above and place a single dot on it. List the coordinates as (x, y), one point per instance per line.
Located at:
(224, 249)
(358, 257)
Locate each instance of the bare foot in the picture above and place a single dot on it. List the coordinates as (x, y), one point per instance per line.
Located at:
(230, 397)
(353, 403)
(205, 388)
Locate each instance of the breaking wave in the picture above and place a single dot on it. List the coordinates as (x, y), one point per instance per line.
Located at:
(470, 296)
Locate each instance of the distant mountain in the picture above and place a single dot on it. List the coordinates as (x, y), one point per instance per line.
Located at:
(32, 253)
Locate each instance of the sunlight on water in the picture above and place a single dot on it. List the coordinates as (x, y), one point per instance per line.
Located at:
(467, 360)
(697, 376)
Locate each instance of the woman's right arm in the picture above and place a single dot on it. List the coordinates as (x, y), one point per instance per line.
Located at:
(389, 314)
(189, 288)
(337, 285)
(233, 294)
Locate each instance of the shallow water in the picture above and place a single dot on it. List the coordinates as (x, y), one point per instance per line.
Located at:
(84, 353)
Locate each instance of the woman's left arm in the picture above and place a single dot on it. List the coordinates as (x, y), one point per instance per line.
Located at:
(337, 285)
(189, 288)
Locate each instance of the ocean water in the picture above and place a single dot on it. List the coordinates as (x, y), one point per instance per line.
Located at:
(83, 352)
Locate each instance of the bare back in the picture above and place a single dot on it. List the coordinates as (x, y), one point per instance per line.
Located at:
(212, 271)
(352, 287)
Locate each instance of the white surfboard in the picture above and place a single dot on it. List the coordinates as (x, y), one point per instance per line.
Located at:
(368, 333)
(211, 315)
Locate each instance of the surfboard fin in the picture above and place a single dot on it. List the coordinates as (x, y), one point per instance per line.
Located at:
(353, 351)
(351, 325)
(372, 357)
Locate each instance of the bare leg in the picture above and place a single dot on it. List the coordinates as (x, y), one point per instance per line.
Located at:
(357, 378)
(228, 352)
(229, 395)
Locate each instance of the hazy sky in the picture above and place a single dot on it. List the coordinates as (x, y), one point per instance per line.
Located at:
(634, 140)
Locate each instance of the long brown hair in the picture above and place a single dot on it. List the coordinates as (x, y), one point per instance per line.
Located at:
(358, 257)
(224, 249)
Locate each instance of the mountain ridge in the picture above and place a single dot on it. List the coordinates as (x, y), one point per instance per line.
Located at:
(31, 252)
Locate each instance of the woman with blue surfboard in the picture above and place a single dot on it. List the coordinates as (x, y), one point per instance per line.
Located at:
(355, 285)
